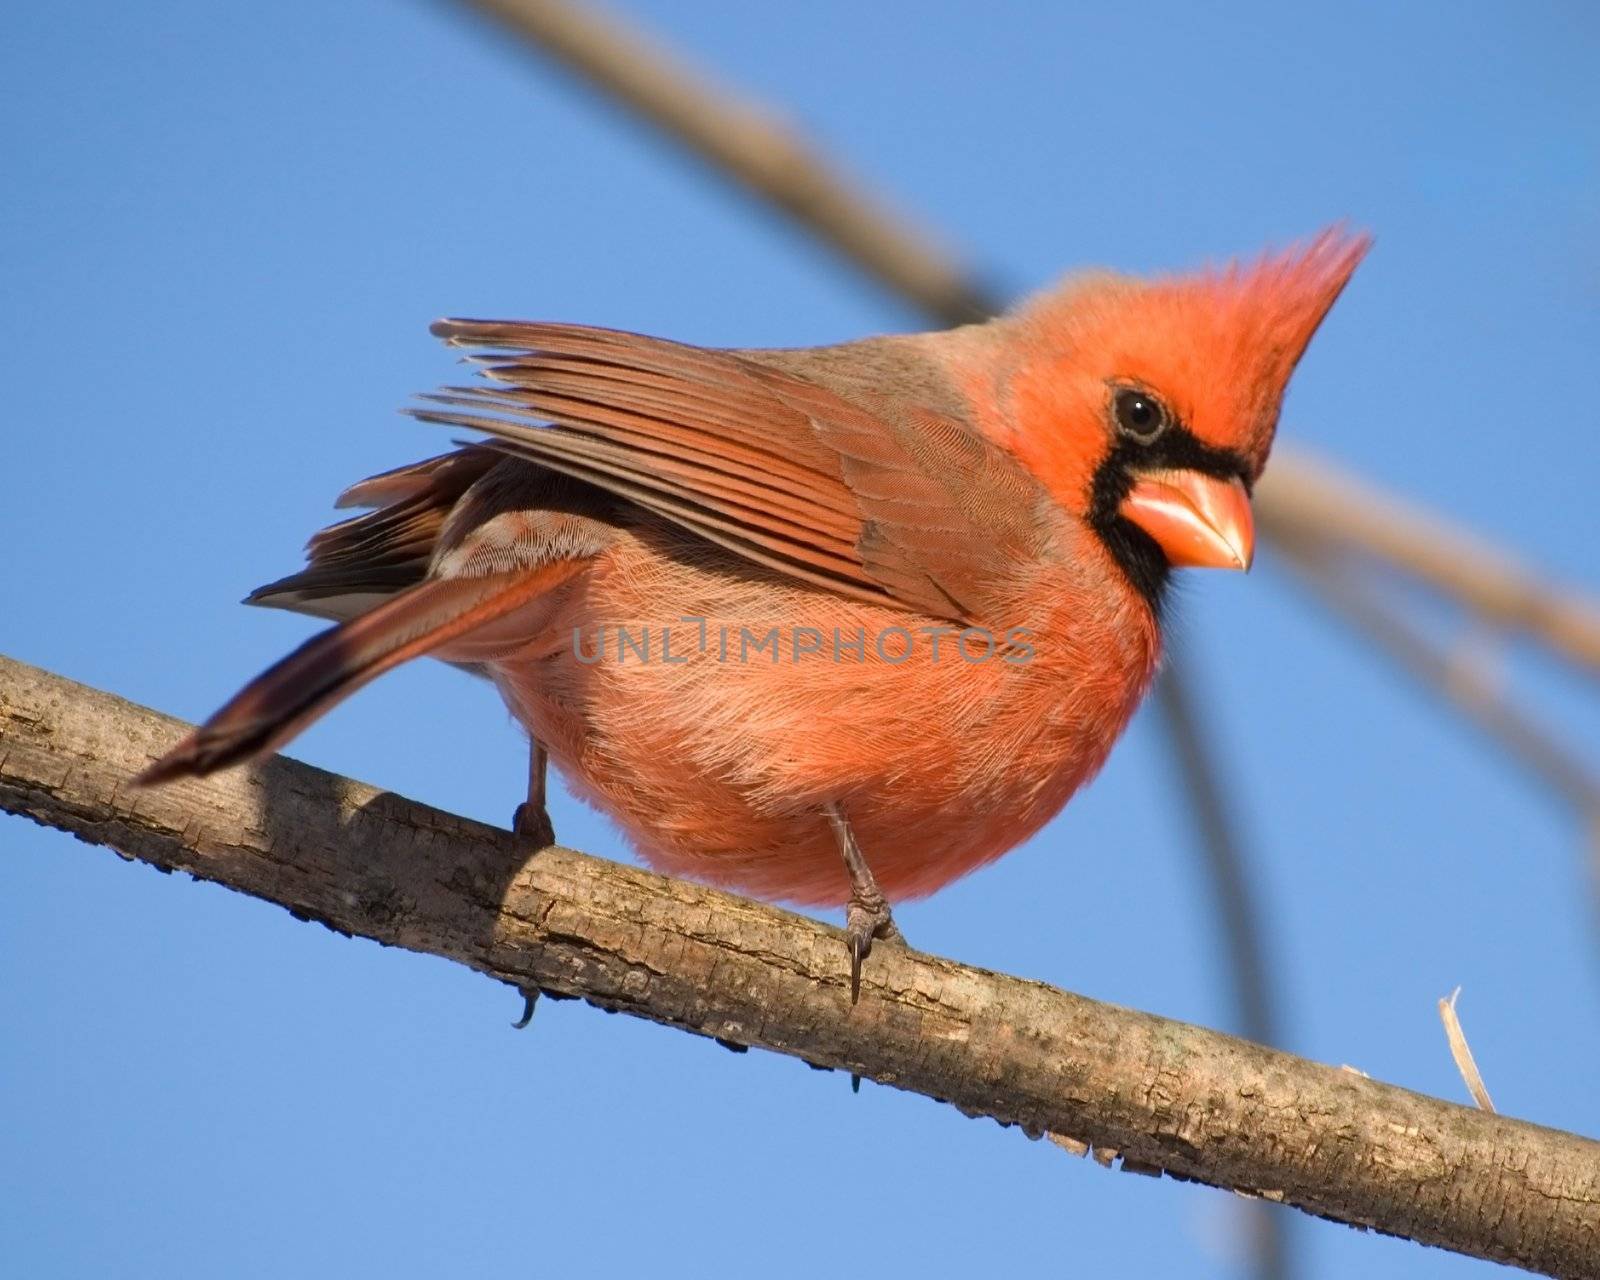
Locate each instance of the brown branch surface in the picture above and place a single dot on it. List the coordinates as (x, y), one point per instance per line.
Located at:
(1165, 1095)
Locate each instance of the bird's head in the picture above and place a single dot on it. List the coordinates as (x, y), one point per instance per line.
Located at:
(1149, 407)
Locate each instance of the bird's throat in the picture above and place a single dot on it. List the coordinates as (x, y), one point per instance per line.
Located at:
(1139, 557)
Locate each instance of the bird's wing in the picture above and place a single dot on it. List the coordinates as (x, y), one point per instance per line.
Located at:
(451, 472)
(904, 508)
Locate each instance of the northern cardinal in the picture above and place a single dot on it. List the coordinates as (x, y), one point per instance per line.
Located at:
(832, 625)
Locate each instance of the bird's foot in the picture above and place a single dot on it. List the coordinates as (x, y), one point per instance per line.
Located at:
(532, 823)
(867, 918)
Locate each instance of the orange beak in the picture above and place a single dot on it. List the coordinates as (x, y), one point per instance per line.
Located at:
(1200, 522)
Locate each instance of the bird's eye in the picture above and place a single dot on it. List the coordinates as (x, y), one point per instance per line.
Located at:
(1139, 414)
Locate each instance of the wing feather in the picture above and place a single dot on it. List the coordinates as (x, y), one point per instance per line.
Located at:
(875, 501)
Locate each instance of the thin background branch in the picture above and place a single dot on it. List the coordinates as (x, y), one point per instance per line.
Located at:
(1461, 683)
(1317, 505)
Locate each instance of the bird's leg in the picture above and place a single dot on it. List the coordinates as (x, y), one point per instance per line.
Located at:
(532, 822)
(532, 819)
(867, 915)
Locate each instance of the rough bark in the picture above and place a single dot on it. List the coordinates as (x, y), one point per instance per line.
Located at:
(1163, 1094)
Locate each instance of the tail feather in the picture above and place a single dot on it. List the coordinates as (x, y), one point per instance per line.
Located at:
(332, 665)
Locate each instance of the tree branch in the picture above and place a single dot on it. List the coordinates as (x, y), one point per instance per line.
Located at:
(1198, 1104)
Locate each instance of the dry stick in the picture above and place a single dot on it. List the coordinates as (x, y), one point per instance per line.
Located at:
(1236, 910)
(1194, 1102)
(1461, 1052)
(1235, 904)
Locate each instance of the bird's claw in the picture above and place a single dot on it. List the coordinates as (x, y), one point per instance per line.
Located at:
(860, 948)
(530, 997)
(532, 823)
(866, 920)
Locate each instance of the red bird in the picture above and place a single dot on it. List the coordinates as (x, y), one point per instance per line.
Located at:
(833, 625)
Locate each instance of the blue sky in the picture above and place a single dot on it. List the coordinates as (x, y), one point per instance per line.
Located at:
(223, 232)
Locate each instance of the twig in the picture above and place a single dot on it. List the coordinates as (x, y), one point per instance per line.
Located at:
(1165, 1095)
(1461, 1051)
